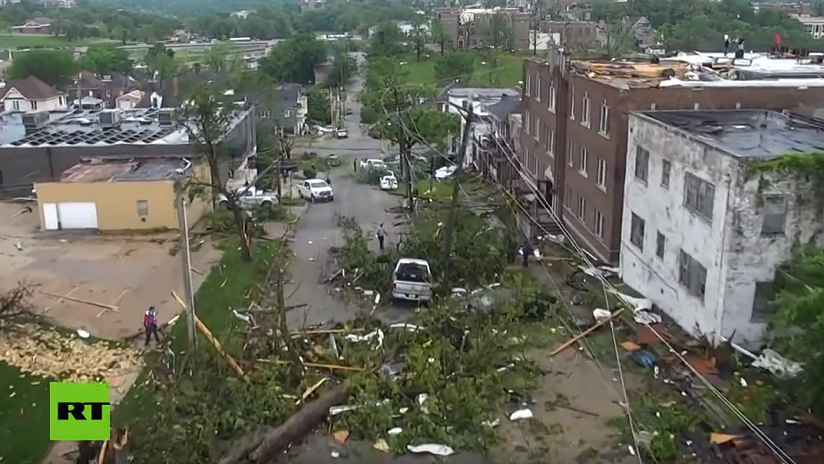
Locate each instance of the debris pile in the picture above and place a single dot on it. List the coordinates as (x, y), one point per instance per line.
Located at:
(42, 351)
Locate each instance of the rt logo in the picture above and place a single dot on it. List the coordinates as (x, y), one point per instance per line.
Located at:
(79, 411)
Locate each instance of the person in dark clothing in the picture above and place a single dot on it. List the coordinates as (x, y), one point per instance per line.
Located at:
(527, 250)
(150, 324)
(381, 233)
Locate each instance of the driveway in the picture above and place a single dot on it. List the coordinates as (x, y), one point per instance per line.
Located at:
(129, 272)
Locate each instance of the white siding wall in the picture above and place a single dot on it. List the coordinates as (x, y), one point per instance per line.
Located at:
(14, 101)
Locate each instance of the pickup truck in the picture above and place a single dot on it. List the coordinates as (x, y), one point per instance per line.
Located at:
(251, 199)
(411, 280)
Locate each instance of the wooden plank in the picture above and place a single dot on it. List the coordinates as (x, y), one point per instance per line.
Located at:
(80, 300)
(59, 300)
(583, 334)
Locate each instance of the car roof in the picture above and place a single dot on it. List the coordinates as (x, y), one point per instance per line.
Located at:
(421, 262)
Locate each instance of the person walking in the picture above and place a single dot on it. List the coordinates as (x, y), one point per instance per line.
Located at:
(527, 250)
(150, 324)
(381, 233)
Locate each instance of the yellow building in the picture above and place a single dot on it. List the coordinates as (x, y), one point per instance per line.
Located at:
(108, 195)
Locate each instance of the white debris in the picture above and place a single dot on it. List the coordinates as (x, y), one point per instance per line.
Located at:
(83, 334)
(395, 431)
(437, 450)
(335, 410)
(335, 454)
(641, 308)
(492, 423)
(243, 317)
(404, 325)
(601, 315)
(778, 365)
(403, 410)
(525, 413)
(355, 338)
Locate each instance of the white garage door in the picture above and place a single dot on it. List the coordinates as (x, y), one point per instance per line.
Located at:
(77, 215)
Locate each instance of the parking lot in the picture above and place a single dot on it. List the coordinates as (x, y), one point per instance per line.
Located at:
(128, 273)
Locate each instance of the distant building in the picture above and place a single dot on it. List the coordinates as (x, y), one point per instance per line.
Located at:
(813, 25)
(58, 3)
(642, 30)
(572, 33)
(702, 237)
(469, 27)
(42, 26)
(129, 101)
(119, 194)
(106, 87)
(31, 94)
(287, 111)
(791, 8)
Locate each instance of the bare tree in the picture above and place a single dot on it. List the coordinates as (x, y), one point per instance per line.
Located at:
(15, 307)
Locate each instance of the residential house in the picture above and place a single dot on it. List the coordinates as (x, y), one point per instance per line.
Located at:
(129, 100)
(43, 26)
(287, 111)
(575, 124)
(107, 87)
(31, 94)
(642, 30)
(702, 237)
(501, 140)
(119, 194)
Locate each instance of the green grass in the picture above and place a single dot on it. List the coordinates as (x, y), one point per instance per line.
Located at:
(509, 71)
(13, 41)
(24, 416)
(231, 285)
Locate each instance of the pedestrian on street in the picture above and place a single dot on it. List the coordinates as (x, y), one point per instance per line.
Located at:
(150, 324)
(381, 233)
(527, 250)
(355, 164)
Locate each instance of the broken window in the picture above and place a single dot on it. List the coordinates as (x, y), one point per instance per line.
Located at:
(666, 168)
(699, 196)
(636, 235)
(762, 302)
(641, 163)
(692, 275)
(660, 245)
(142, 208)
(775, 215)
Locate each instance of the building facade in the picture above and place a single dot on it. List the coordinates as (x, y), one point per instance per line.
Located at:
(471, 27)
(31, 94)
(702, 236)
(575, 128)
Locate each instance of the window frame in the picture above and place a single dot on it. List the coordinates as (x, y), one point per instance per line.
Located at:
(603, 121)
(637, 230)
(601, 174)
(586, 107)
(687, 267)
(551, 97)
(142, 208)
(599, 223)
(660, 245)
(765, 214)
(666, 173)
(701, 188)
(583, 161)
(581, 209)
(641, 153)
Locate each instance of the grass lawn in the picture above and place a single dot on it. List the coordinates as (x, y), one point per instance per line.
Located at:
(13, 41)
(440, 189)
(24, 416)
(509, 71)
(231, 285)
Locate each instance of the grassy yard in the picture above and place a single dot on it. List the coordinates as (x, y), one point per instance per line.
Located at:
(12, 41)
(24, 416)
(507, 73)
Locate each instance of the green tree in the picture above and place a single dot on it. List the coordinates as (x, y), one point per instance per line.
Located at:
(319, 107)
(54, 67)
(387, 41)
(455, 66)
(342, 72)
(295, 59)
(105, 58)
(161, 60)
(438, 34)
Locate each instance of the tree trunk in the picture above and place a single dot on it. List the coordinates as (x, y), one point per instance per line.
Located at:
(257, 447)
(243, 233)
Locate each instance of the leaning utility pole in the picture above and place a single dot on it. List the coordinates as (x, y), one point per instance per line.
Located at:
(453, 205)
(186, 253)
(403, 149)
(279, 154)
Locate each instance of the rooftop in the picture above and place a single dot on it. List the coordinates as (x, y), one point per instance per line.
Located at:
(746, 133)
(704, 70)
(125, 170)
(503, 108)
(84, 127)
(480, 93)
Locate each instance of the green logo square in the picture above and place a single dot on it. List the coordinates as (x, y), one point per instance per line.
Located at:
(79, 411)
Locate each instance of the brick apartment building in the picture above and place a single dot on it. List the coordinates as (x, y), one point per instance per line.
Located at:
(574, 132)
(468, 28)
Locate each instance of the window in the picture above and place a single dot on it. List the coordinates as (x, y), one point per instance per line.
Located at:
(698, 196)
(60, 101)
(287, 114)
(775, 215)
(527, 121)
(538, 90)
(583, 161)
(1, 177)
(572, 105)
(550, 141)
(108, 93)
(692, 275)
(142, 208)
(568, 198)
(585, 110)
(603, 120)
(666, 168)
(601, 176)
(599, 224)
(762, 302)
(528, 84)
(641, 163)
(15, 104)
(552, 97)
(582, 208)
(660, 245)
(636, 233)
(536, 130)
(571, 154)
(33, 105)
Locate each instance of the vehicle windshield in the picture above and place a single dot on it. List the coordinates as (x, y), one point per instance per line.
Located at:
(412, 272)
(318, 184)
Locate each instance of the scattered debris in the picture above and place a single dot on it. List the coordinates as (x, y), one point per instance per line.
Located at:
(521, 414)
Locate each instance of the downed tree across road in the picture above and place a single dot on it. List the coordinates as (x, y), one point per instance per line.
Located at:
(260, 446)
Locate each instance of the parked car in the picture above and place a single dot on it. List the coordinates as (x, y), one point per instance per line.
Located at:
(251, 199)
(341, 133)
(411, 280)
(372, 163)
(316, 190)
(333, 160)
(389, 182)
(374, 133)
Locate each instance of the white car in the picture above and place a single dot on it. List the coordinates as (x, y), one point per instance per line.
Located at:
(372, 163)
(341, 133)
(389, 182)
(411, 280)
(316, 190)
(251, 198)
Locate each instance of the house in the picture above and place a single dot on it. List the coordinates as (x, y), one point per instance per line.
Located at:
(38, 147)
(107, 87)
(129, 100)
(642, 30)
(575, 123)
(287, 111)
(43, 26)
(493, 161)
(31, 94)
(119, 194)
(703, 236)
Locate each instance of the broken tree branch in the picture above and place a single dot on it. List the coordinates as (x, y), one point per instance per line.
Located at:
(583, 334)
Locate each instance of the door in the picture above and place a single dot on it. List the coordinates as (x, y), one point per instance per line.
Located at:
(50, 220)
(77, 215)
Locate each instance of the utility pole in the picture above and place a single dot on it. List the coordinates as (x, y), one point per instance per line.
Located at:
(403, 147)
(279, 154)
(186, 254)
(453, 206)
(332, 106)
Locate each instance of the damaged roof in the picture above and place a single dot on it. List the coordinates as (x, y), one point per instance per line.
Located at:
(504, 108)
(125, 170)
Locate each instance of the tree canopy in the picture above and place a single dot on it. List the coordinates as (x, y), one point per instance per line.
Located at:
(295, 59)
(105, 58)
(54, 67)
